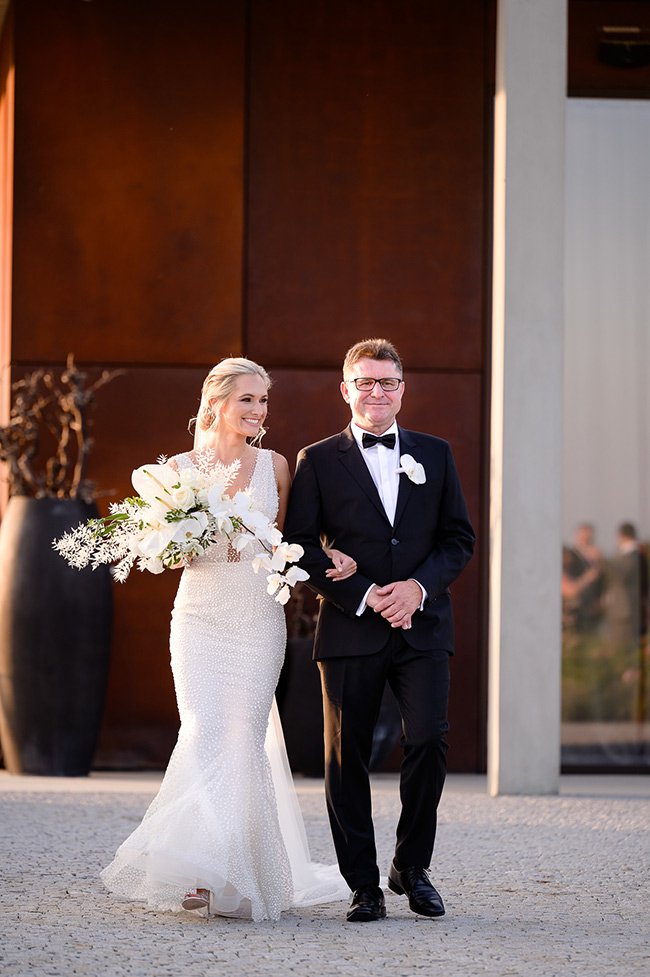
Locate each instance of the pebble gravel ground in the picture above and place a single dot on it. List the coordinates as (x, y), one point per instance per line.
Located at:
(533, 885)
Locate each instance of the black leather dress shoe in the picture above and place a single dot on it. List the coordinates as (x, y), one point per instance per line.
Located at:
(414, 882)
(367, 904)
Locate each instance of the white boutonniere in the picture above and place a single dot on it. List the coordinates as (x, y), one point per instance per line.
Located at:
(412, 468)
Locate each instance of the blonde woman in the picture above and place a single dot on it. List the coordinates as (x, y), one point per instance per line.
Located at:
(224, 834)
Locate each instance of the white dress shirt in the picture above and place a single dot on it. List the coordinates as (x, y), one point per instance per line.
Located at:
(382, 464)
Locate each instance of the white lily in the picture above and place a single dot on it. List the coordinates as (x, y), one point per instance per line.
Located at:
(413, 469)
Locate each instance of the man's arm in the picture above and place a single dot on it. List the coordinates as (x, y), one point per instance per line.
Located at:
(304, 525)
(455, 537)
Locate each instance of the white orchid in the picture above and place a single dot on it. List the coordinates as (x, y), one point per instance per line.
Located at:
(220, 508)
(241, 542)
(190, 528)
(270, 534)
(262, 562)
(242, 505)
(275, 581)
(294, 574)
(413, 469)
(286, 553)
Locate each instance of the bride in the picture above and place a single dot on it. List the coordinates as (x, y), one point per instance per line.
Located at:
(224, 833)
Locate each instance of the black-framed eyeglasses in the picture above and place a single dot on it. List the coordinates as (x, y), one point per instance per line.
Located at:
(368, 383)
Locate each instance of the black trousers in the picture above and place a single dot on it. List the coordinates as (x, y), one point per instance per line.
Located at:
(352, 693)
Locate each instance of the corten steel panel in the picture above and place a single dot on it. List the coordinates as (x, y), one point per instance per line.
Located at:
(306, 406)
(138, 416)
(587, 75)
(128, 180)
(366, 179)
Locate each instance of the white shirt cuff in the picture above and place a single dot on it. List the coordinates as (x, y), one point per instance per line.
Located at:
(362, 606)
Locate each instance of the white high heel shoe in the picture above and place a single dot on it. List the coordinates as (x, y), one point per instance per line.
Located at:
(200, 899)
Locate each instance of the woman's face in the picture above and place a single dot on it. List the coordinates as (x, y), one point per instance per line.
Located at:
(244, 411)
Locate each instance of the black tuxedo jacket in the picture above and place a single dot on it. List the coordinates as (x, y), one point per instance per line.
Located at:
(334, 499)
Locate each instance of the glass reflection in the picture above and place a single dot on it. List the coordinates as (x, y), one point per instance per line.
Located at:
(605, 602)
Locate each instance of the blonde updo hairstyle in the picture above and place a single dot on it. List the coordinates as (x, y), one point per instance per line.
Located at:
(217, 387)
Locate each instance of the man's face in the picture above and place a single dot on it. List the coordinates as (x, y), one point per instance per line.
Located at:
(373, 410)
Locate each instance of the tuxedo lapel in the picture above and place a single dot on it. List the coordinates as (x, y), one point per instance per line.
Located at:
(350, 456)
(407, 445)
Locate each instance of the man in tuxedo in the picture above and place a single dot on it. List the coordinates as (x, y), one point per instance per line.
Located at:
(392, 500)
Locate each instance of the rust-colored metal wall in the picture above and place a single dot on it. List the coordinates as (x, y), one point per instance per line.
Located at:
(128, 250)
(280, 178)
(366, 216)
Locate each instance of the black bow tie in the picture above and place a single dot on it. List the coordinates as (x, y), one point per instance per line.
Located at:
(386, 439)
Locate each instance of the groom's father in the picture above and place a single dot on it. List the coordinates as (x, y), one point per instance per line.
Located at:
(391, 499)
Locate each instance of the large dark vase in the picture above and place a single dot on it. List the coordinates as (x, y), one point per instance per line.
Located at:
(55, 637)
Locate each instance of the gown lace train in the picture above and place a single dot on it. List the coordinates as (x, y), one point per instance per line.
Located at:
(226, 817)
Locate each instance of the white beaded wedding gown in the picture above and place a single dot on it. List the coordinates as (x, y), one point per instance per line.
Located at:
(226, 817)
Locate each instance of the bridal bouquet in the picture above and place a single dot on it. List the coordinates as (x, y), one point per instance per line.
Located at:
(176, 516)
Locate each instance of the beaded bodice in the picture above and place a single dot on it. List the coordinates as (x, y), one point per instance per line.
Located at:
(263, 490)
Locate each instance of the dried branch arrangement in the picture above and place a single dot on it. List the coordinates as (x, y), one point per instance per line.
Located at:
(59, 411)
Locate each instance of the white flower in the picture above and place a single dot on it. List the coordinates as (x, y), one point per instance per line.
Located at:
(156, 539)
(286, 553)
(154, 482)
(274, 581)
(189, 478)
(154, 564)
(177, 516)
(243, 507)
(413, 469)
(242, 541)
(294, 574)
(190, 528)
(262, 561)
(183, 497)
(271, 534)
(219, 507)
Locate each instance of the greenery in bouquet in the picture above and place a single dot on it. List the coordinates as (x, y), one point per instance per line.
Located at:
(174, 518)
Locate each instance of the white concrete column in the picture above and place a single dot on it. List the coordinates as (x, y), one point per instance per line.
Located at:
(526, 435)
